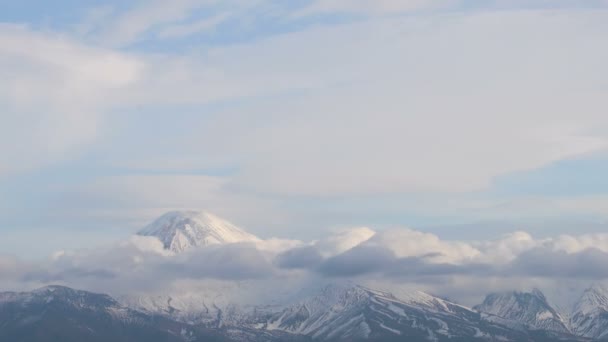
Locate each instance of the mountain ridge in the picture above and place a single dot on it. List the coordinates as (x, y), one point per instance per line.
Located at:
(530, 308)
(337, 312)
(588, 318)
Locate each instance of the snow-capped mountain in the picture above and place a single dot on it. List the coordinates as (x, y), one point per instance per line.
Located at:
(352, 312)
(57, 313)
(62, 314)
(217, 304)
(334, 313)
(181, 230)
(589, 317)
(530, 308)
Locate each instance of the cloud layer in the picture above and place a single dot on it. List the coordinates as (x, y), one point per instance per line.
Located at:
(400, 258)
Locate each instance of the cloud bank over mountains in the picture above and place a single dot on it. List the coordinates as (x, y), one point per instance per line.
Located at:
(402, 257)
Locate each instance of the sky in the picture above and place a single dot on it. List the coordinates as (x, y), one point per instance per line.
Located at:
(293, 119)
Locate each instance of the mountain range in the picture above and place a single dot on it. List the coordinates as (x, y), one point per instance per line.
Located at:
(344, 311)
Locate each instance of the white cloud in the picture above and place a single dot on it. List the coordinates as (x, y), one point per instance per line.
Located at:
(386, 96)
(128, 27)
(394, 106)
(161, 19)
(52, 94)
(373, 7)
(149, 244)
(506, 248)
(343, 240)
(411, 243)
(403, 257)
(277, 245)
(132, 201)
(429, 103)
(183, 30)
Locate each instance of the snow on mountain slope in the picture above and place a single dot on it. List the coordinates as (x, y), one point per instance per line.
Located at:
(352, 312)
(219, 303)
(57, 313)
(181, 230)
(332, 312)
(530, 308)
(589, 317)
(216, 305)
(336, 312)
(63, 314)
(77, 299)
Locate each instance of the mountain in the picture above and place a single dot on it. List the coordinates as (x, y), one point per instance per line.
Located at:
(181, 230)
(62, 314)
(218, 304)
(530, 308)
(339, 312)
(57, 313)
(334, 313)
(347, 313)
(589, 317)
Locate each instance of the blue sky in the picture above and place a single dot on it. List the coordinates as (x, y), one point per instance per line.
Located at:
(466, 118)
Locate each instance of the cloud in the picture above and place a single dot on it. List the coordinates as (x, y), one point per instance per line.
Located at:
(133, 200)
(372, 7)
(301, 257)
(343, 240)
(9, 266)
(137, 265)
(43, 276)
(454, 106)
(424, 135)
(358, 261)
(200, 26)
(53, 95)
(589, 263)
(379, 259)
(233, 262)
(392, 7)
(411, 243)
(416, 256)
(127, 27)
(573, 244)
(506, 248)
(161, 20)
(278, 245)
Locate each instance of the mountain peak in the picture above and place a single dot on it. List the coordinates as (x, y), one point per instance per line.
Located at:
(181, 230)
(593, 299)
(347, 312)
(539, 294)
(55, 289)
(530, 308)
(589, 317)
(598, 288)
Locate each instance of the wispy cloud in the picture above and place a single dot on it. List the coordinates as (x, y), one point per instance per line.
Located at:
(329, 119)
(54, 94)
(127, 27)
(183, 30)
(370, 7)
